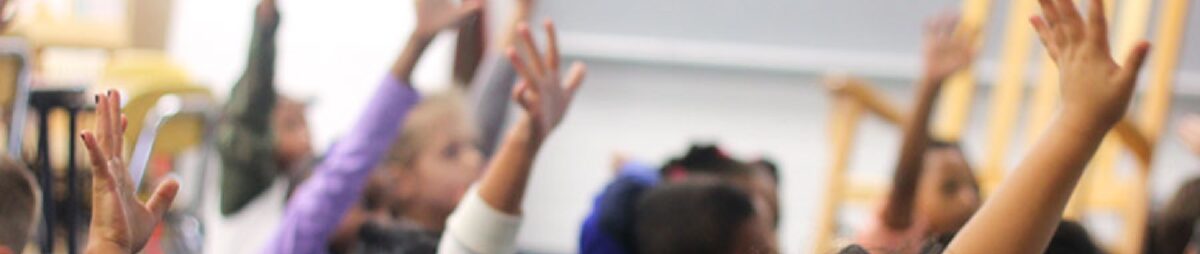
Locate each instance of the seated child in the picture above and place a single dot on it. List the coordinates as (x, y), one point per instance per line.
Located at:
(488, 217)
(702, 215)
(933, 190)
(609, 226)
(322, 202)
(1024, 211)
(1173, 229)
(19, 212)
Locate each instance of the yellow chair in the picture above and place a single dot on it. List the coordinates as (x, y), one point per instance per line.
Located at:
(15, 65)
(1125, 196)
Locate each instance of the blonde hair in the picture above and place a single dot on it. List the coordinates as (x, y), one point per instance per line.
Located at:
(427, 117)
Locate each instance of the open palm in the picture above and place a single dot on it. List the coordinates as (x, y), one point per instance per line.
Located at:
(1093, 85)
(542, 90)
(119, 220)
(945, 51)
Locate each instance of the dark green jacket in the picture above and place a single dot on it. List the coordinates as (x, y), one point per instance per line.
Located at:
(246, 142)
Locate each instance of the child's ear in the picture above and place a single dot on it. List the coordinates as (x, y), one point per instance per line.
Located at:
(5, 250)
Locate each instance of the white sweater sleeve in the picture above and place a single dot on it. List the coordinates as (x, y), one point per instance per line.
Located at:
(476, 228)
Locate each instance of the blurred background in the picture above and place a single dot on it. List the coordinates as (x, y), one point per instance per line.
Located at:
(663, 74)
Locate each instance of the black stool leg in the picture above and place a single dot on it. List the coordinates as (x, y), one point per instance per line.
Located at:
(46, 176)
(72, 187)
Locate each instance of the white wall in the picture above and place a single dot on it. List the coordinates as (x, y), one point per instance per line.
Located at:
(332, 53)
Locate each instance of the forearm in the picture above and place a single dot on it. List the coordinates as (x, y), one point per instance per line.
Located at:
(319, 204)
(503, 186)
(1023, 213)
(100, 246)
(490, 93)
(253, 97)
(410, 55)
(521, 13)
(469, 49)
(899, 206)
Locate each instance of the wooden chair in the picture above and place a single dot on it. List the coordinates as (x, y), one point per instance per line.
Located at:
(1123, 195)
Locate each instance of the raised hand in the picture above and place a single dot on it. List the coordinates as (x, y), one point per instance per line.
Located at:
(542, 91)
(945, 51)
(268, 13)
(120, 223)
(1093, 85)
(435, 15)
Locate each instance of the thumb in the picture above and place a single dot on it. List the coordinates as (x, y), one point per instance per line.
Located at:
(575, 77)
(163, 197)
(1133, 62)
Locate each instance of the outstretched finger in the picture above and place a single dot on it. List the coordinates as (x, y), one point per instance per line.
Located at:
(521, 67)
(163, 197)
(534, 59)
(114, 123)
(551, 46)
(1133, 62)
(1049, 12)
(1045, 36)
(101, 123)
(1097, 25)
(575, 77)
(96, 155)
(523, 95)
(1072, 23)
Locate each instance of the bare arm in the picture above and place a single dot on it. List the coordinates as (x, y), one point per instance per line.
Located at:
(432, 17)
(245, 138)
(898, 208)
(945, 54)
(545, 97)
(1024, 212)
(469, 48)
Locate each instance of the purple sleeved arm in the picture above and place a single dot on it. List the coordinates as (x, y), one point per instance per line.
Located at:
(320, 202)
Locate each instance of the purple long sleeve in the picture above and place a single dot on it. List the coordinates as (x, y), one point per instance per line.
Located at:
(320, 202)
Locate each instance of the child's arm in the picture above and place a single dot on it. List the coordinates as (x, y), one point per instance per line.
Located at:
(1023, 213)
(120, 223)
(246, 143)
(486, 221)
(945, 54)
(492, 85)
(319, 204)
(469, 48)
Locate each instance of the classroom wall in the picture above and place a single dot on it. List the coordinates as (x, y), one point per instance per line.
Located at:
(646, 108)
(653, 111)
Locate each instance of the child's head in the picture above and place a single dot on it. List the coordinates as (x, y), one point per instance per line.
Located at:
(19, 209)
(1176, 224)
(1070, 238)
(701, 215)
(758, 178)
(434, 160)
(292, 137)
(947, 194)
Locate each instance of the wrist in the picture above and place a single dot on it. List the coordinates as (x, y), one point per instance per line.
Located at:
(421, 37)
(101, 246)
(528, 134)
(1085, 122)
